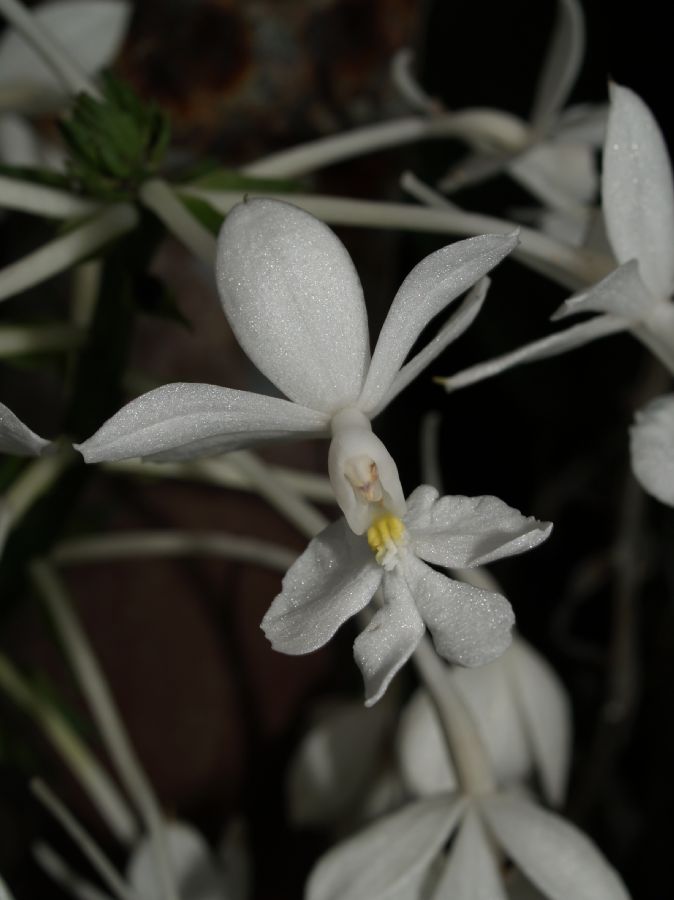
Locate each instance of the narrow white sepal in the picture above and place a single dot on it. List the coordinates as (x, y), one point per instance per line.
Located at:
(389, 855)
(184, 421)
(562, 63)
(428, 289)
(471, 871)
(652, 448)
(294, 301)
(638, 194)
(17, 438)
(553, 854)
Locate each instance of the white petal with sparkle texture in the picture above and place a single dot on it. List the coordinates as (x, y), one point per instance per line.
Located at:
(91, 33)
(332, 580)
(428, 289)
(562, 63)
(384, 647)
(294, 301)
(184, 421)
(552, 853)
(652, 448)
(622, 293)
(638, 194)
(457, 531)
(383, 860)
(470, 627)
(17, 438)
(471, 871)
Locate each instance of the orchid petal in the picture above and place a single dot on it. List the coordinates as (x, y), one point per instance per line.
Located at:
(638, 194)
(332, 580)
(183, 421)
(421, 749)
(562, 175)
(428, 289)
(19, 145)
(562, 63)
(552, 853)
(471, 871)
(584, 123)
(382, 860)
(622, 293)
(652, 448)
(450, 331)
(554, 344)
(458, 532)
(91, 33)
(17, 438)
(545, 715)
(194, 866)
(470, 627)
(294, 301)
(384, 647)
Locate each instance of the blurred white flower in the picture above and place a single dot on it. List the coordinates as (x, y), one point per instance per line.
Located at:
(521, 712)
(339, 573)
(294, 301)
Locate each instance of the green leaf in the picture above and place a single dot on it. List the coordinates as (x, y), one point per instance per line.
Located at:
(203, 212)
(230, 180)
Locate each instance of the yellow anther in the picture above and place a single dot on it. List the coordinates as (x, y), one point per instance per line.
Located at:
(384, 534)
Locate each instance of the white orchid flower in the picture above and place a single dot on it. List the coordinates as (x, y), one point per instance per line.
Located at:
(339, 573)
(521, 712)
(294, 301)
(638, 204)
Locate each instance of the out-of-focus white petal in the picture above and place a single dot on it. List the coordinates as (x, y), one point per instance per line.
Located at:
(583, 123)
(332, 580)
(421, 749)
(471, 871)
(561, 175)
(554, 344)
(17, 438)
(450, 331)
(469, 626)
(652, 448)
(294, 301)
(19, 145)
(545, 716)
(197, 874)
(622, 293)
(326, 778)
(381, 861)
(552, 853)
(183, 421)
(562, 62)
(457, 532)
(637, 189)
(431, 285)
(384, 647)
(90, 32)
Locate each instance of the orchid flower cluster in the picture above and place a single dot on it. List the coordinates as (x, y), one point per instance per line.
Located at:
(442, 792)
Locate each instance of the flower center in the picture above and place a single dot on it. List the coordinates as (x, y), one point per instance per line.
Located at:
(385, 536)
(362, 474)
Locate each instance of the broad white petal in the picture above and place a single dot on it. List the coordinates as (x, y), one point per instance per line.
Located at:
(91, 33)
(562, 63)
(196, 871)
(450, 331)
(331, 581)
(428, 289)
(545, 715)
(471, 871)
(554, 344)
(183, 421)
(326, 778)
(294, 301)
(622, 293)
(552, 853)
(421, 749)
(17, 438)
(470, 627)
(638, 194)
(457, 532)
(384, 647)
(562, 175)
(384, 858)
(652, 448)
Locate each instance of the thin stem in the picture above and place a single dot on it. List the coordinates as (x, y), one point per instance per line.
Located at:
(84, 841)
(144, 544)
(37, 478)
(95, 689)
(48, 202)
(84, 766)
(19, 340)
(58, 870)
(86, 287)
(47, 47)
(162, 200)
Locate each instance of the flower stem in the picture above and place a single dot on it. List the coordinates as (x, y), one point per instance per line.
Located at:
(162, 200)
(20, 340)
(37, 478)
(47, 202)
